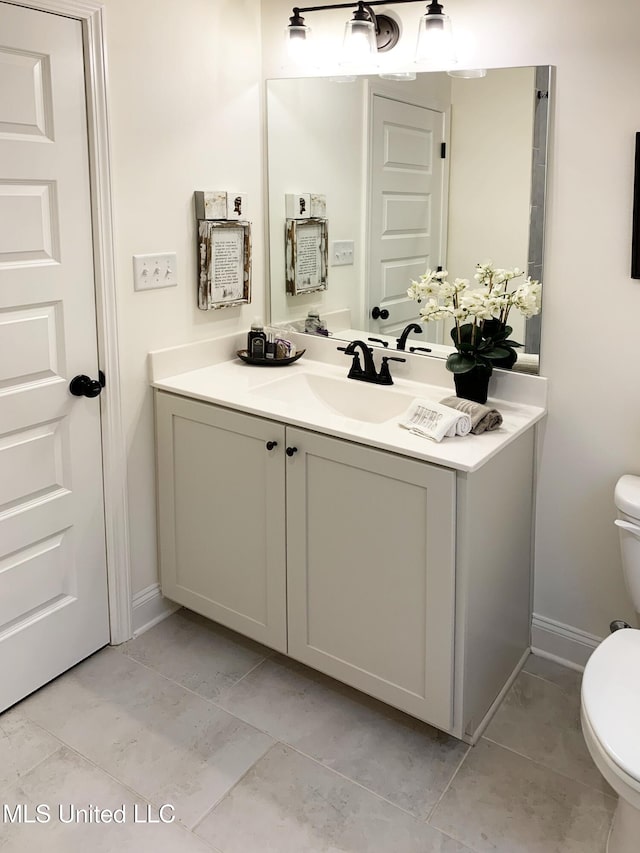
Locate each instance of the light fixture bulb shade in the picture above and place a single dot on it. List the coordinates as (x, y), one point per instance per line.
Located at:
(435, 48)
(359, 46)
(468, 73)
(297, 39)
(402, 76)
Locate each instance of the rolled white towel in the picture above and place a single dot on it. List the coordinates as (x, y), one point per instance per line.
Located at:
(483, 418)
(435, 421)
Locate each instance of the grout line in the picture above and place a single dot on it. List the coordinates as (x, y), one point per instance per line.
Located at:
(253, 668)
(351, 781)
(60, 744)
(122, 784)
(450, 782)
(547, 767)
(189, 689)
(235, 784)
(549, 681)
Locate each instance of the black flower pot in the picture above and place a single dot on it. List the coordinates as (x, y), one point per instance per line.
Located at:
(474, 384)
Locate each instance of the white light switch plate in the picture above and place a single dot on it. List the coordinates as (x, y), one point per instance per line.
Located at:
(341, 253)
(153, 271)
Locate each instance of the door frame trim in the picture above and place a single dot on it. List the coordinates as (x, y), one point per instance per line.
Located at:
(114, 456)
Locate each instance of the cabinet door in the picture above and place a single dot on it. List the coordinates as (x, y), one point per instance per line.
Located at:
(221, 523)
(370, 550)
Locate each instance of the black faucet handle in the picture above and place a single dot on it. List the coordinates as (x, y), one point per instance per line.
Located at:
(385, 344)
(355, 371)
(419, 349)
(384, 377)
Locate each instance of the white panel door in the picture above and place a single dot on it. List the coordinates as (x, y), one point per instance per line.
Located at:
(53, 589)
(405, 209)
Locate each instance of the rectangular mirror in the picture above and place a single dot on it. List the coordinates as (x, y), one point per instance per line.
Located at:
(434, 172)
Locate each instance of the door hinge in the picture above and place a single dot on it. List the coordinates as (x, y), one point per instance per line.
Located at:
(443, 150)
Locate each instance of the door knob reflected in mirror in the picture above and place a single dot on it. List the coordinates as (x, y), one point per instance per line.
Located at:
(83, 386)
(379, 313)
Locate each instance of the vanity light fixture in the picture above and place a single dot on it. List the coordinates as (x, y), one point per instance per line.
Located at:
(368, 34)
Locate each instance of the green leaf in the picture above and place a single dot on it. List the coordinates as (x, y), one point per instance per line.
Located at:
(459, 363)
(497, 352)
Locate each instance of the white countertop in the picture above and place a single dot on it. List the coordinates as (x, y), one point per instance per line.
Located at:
(233, 384)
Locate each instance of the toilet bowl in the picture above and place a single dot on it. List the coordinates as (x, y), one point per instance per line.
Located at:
(611, 727)
(610, 697)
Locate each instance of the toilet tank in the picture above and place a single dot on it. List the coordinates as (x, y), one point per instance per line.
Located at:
(627, 500)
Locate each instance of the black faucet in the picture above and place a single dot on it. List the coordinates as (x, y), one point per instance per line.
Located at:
(369, 373)
(402, 340)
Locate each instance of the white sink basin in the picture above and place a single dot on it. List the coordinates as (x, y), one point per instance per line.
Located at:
(350, 398)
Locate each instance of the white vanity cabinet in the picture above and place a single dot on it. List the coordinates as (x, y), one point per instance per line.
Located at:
(405, 579)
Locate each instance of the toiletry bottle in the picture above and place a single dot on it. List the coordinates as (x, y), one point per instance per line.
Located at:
(312, 322)
(270, 352)
(257, 340)
(314, 325)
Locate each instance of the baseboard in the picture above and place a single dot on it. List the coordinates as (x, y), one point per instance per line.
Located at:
(562, 643)
(149, 608)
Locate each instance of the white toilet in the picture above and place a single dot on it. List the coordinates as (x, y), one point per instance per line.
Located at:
(611, 689)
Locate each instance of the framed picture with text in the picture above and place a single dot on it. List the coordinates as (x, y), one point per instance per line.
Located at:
(306, 255)
(224, 271)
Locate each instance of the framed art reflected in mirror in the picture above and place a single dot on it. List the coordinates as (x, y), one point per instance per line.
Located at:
(306, 255)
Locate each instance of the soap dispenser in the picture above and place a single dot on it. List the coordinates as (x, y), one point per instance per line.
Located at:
(257, 340)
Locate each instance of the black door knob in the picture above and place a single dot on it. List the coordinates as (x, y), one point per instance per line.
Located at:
(291, 451)
(379, 313)
(271, 444)
(84, 386)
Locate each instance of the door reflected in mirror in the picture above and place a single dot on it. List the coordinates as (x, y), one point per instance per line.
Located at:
(436, 172)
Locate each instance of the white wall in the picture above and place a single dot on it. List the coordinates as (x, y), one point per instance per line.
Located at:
(185, 115)
(591, 306)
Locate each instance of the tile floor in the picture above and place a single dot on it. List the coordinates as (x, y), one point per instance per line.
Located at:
(258, 754)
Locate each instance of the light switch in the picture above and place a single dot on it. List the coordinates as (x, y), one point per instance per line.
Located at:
(341, 253)
(154, 271)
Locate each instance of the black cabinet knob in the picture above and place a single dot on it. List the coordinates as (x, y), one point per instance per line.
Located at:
(379, 313)
(291, 451)
(84, 386)
(271, 445)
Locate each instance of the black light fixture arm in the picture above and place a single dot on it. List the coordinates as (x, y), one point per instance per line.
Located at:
(298, 9)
